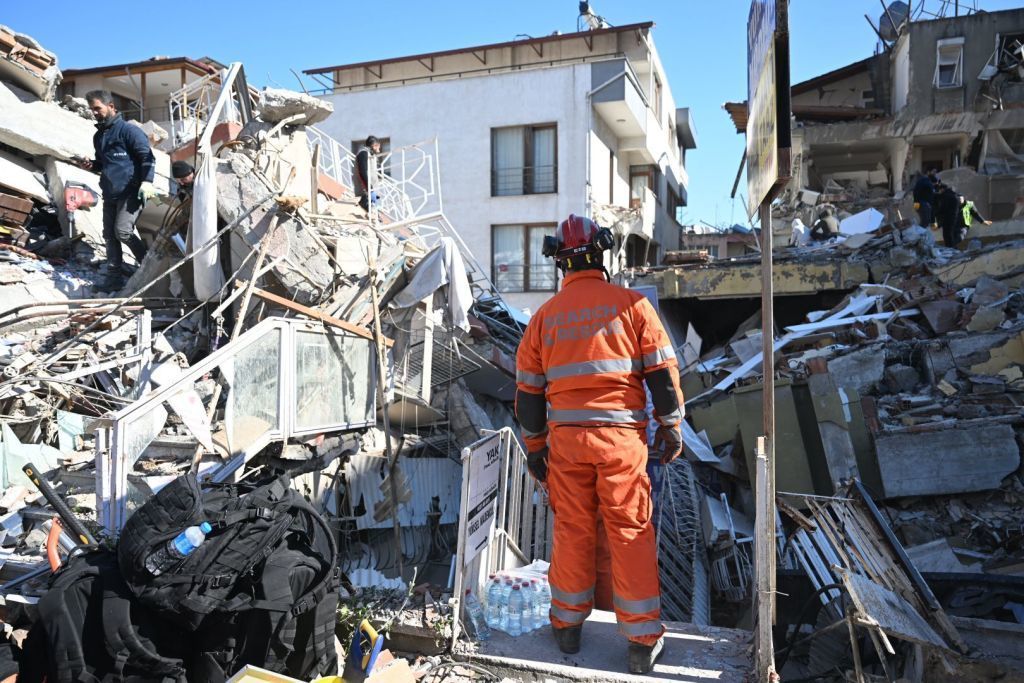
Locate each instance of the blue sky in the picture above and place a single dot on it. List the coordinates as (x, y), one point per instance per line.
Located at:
(702, 45)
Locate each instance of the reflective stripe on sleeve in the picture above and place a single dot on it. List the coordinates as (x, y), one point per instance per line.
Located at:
(580, 598)
(530, 379)
(658, 356)
(672, 419)
(637, 606)
(612, 416)
(593, 367)
(527, 434)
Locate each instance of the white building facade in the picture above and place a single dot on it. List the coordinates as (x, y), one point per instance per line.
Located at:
(529, 132)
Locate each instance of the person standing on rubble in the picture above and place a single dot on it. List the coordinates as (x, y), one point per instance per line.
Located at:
(966, 213)
(366, 172)
(924, 197)
(946, 206)
(587, 353)
(126, 166)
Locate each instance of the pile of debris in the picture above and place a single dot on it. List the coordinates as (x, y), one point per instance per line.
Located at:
(908, 386)
(273, 325)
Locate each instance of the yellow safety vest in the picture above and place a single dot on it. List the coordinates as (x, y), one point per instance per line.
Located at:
(966, 210)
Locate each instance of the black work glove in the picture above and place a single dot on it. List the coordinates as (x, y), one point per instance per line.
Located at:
(669, 441)
(537, 463)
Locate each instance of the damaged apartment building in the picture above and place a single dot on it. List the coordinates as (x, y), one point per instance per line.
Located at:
(582, 122)
(940, 93)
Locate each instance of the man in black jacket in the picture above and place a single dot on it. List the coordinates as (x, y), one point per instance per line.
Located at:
(126, 166)
(946, 206)
(924, 197)
(366, 172)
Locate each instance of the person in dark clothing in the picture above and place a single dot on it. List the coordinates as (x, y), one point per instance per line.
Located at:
(946, 205)
(126, 166)
(826, 227)
(184, 176)
(965, 215)
(366, 172)
(924, 197)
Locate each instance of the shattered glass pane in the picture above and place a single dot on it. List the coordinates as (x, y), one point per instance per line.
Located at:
(137, 433)
(255, 397)
(333, 381)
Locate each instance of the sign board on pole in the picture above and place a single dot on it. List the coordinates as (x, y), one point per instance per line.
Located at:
(484, 459)
(768, 132)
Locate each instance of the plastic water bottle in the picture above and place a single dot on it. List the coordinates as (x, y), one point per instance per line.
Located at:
(540, 615)
(177, 549)
(476, 616)
(506, 593)
(493, 612)
(515, 611)
(529, 606)
(545, 592)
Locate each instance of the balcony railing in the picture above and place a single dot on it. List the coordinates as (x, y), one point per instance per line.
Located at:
(518, 180)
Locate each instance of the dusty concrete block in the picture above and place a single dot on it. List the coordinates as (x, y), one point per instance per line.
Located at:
(902, 378)
(986, 319)
(988, 291)
(306, 272)
(155, 133)
(277, 104)
(43, 128)
(946, 461)
(861, 369)
(79, 106)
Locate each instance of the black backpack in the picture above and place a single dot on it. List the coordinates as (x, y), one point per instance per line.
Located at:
(262, 589)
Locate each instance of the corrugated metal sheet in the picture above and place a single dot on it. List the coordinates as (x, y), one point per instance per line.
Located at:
(425, 477)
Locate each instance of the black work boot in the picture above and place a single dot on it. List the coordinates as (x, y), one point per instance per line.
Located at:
(643, 657)
(568, 639)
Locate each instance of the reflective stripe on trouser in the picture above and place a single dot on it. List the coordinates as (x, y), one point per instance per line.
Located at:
(602, 470)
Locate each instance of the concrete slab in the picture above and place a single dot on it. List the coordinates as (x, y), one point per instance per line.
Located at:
(692, 654)
(43, 128)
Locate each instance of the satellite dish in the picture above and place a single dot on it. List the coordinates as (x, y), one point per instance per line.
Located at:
(900, 12)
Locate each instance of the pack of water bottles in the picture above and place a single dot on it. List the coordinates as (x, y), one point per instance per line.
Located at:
(516, 602)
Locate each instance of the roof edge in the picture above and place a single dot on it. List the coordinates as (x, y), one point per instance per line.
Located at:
(476, 48)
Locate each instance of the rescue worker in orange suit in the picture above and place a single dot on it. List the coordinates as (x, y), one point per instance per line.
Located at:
(580, 373)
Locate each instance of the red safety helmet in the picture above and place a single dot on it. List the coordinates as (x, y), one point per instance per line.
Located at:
(578, 242)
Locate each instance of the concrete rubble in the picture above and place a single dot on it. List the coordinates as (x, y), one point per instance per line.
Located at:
(158, 380)
(899, 369)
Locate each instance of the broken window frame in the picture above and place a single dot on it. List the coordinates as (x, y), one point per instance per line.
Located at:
(113, 466)
(949, 46)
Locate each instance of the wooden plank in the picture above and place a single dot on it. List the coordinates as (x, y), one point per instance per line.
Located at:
(950, 461)
(893, 615)
(315, 314)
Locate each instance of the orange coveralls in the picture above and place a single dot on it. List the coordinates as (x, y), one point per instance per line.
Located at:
(587, 349)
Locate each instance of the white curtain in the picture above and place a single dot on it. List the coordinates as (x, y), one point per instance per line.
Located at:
(208, 276)
(509, 258)
(542, 269)
(544, 170)
(508, 161)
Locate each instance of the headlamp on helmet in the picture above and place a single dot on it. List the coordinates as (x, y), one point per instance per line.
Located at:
(578, 243)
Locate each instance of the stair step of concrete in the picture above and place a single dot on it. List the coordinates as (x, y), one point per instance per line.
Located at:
(692, 653)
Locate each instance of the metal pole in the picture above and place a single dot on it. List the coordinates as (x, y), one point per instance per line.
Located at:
(392, 458)
(765, 493)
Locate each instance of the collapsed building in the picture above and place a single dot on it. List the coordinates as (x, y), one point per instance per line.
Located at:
(898, 428)
(942, 94)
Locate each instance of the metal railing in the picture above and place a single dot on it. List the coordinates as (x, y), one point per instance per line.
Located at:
(520, 277)
(411, 186)
(189, 108)
(518, 180)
